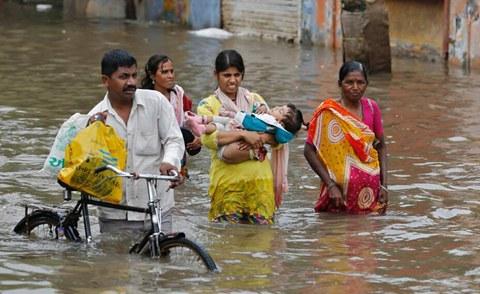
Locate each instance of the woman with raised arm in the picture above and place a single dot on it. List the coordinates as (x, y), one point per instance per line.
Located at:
(346, 148)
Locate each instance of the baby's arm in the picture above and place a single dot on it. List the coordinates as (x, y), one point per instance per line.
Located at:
(236, 152)
(231, 153)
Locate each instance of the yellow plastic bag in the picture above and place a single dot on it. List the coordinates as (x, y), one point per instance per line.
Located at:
(93, 147)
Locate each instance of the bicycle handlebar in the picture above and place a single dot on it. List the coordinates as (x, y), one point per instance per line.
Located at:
(173, 177)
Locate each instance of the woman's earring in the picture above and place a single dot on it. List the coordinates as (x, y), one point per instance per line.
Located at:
(153, 82)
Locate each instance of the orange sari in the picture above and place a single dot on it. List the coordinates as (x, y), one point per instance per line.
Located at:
(345, 145)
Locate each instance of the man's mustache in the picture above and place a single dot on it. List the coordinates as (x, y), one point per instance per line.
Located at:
(131, 88)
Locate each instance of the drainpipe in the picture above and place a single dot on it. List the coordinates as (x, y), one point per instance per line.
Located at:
(446, 28)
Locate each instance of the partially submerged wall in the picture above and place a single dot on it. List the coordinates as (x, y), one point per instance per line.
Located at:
(320, 23)
(278, 19)
(365, 30)
(428, 29)
(464, 49)
(196, 14)
(416, 28)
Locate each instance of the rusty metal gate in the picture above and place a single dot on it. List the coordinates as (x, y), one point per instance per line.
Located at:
(275, 19)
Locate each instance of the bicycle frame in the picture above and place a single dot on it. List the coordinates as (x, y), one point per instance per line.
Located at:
(82, 206)
(153, 207)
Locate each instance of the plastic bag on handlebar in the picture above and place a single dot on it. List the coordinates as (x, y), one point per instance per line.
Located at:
(93, 147)
(69, 129)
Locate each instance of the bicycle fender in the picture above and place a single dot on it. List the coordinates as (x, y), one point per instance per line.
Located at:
(36, 213)
(176, 235)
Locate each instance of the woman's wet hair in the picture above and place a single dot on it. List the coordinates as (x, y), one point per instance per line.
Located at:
(293, 121)
(151, 67)
(228, 58)
(350, 66)
(114, 59)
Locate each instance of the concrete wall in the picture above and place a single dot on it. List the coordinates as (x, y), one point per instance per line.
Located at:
(416, 28)
(204, 14)
(175, 11)
(196, 14)
(74, 8)
(464, 33)
(269, 19)
(320, 23)
(429, 29)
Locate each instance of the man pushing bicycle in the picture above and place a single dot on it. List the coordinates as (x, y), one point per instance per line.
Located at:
(146, 121)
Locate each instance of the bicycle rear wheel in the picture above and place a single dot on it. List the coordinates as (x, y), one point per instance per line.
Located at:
(185, 253)
(45, 224)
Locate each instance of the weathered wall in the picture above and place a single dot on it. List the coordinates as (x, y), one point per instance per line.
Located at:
(431, 29)
(195, 13)
(320, 23)
(464, 48)
(175, 11)
(74, 8)
(416, 27)
(106, 8)
(94, 8)
(365, 31)
(204, 14)
(274, 19)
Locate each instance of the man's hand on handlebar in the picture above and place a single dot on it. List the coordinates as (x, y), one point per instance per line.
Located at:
(169, 169)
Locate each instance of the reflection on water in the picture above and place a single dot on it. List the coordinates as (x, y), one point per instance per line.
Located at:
(427, 242)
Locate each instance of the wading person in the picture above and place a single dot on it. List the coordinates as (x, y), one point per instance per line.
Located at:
(346, 148)
(146, 121)
(240, 192)
(160, 76)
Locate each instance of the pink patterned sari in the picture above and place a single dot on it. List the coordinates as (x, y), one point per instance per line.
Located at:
(344, 144)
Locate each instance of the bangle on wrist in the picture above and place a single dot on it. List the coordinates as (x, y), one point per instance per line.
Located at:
(251, 154)
(331, 185)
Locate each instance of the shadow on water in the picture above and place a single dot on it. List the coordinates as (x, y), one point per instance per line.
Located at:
(427, 242)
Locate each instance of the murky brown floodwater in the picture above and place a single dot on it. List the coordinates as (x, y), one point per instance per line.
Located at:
(428, 241)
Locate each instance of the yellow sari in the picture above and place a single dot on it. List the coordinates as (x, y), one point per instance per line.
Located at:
(345, 145)
(239, 192)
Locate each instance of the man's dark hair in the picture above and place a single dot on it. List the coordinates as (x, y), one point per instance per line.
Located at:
(114, 59)
(293, 121)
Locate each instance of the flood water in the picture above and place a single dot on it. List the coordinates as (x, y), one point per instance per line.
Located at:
(429, 241)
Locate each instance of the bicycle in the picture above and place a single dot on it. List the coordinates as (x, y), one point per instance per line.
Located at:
(174, 247)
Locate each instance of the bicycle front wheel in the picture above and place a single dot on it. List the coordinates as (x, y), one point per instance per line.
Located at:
(185, 253)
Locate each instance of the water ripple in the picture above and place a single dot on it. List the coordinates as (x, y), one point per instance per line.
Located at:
(445, 213)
